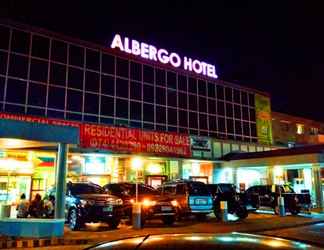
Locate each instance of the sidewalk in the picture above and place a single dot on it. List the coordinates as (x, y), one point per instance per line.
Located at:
(97, 233)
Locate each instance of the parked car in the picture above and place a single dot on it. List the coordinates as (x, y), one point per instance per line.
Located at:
(88, 202)
(227, 192)
(267, 196)
(193, 197)
(154, 205)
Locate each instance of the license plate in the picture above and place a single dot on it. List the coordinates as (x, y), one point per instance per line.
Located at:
(201, 201)
(166, 208)
(108, 209)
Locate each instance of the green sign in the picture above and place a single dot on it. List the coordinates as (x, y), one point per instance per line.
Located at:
(263, 119)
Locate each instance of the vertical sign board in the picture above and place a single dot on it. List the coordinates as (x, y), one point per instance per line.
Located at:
(263, 119)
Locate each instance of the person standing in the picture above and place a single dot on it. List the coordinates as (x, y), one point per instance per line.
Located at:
(22, 207)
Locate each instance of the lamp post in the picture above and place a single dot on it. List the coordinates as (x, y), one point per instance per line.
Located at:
(136, 164)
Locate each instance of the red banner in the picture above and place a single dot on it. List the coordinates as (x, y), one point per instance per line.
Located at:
(119, 139)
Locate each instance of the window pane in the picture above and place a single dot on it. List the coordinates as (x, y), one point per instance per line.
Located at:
(2, 83)
(4, 34)
(107, 106)
(202, 104)
(172, 98)
(228, 94)
(182, 83)
(251, 100)
(211, 89)
(212, 123)
(202, 88)
(121, 88)
(76, 56)
(246, 129)
(193, 102)
(35, 111)
(136, 91)
(211, 106)
(148, 113)
(74, 100)
(220, 92)
(37, 95)
(40, 47)
(57, 75)
(18, 66)
(245, 113)
(244, 97)
(253, 130)
(136, 111)
(108, 64)
(237, 111)
(192, 85)
(55, 114)
(59, 51)
(148, 126)
(121, 108)
(220, 108)
(229, 110)
(160, 77)
(171, 80)
(15, 109)
(73, 117)
(238, 127)
(91, 103)
(183, 118)
(148, 92)
(92, 59)
(237, 96)
(160, 115)
(182, 100)
(136, 71)
(230, 126)
(203, 121)
(193, 120)
(56, 98)
(160, 96)
(148, 74)
(221, 124)
(75, 78)
(172, 116)
(107, 85)
(38, 70)
(16, 91)
(122, 67)
(92, 82)
(252, 115)
(20, 42)
(3, 62)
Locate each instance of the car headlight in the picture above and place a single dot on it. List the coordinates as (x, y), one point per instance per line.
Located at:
(87, 202)
(119, 202)
(174, 203)
(148, 203)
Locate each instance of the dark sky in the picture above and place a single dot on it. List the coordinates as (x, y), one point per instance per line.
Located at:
(273, 46)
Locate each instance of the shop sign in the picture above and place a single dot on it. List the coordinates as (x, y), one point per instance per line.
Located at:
(163, 56)
(200, 143)
(263, 119)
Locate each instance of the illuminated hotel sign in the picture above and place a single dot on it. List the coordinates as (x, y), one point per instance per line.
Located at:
(150, 52)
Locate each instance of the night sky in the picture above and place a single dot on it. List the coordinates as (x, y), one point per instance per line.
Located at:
(273, 46)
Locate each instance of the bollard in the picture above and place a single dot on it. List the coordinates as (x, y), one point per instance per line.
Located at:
(281, 204)
(136, 216)
(224, 212)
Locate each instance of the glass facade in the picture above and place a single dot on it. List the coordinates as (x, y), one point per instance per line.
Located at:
(43, 75)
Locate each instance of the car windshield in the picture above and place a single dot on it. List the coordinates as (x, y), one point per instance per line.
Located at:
(197, 188)
(130, 189)
(227, 188)
(86, 189)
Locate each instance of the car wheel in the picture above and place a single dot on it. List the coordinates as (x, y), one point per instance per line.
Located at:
(241, 212)
(113, 224)
(74, 220)
(201, 217)
(168, 220)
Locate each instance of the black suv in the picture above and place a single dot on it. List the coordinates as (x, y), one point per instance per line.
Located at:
(267, 196)
(154, 205)
(227, 192)
(88, 202)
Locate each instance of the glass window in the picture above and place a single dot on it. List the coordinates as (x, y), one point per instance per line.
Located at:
(57, 74)
(228, 94)
(160, 77)
(90, 118)
(92, 59)
(252, 115)
(238, 127)
(148, 92)
(108, 64)
(135, 111)
(4, 34)
(56, 97)
(148, 113)
(182, 83)
(237, 111)
(203, 121)
(193, 120)
(18, 66)
(183, 131)
(229, 110)
(73, 117)
(40, 47)
(160, 96)
(76, 56)
(2, 83)
(220, 92)
(74, 100)
(192, 84)
(136, 71)
(107, 85)
(37, 95)
(172, 98)
(122, 67)
(172, 116)
(253, 130)
(160, 114)
(193, 102)
(148, 74)
(202, 88)
(107, 106)
(59, 51)
(251, 100)
(38, 70)
(121, 108)
(212, 123)
(161, 128)
(149, 126)
(55, 114)
(220, 108)
(20, 42)
(211, 106)
(92, 81)
(245, 113)
(211, 90)
(237, 96)
(202, 104)
(244, 97)
(16, 91)
(230, 126)
(171, 80)
(182, 100)
(136, 91)
(91, 103)
(36, 111)
(121, 88)
(75, 78)
(221, 125)
(3, 62)
(246, 129)
(135, 124)
(15, 109)
(183, 118)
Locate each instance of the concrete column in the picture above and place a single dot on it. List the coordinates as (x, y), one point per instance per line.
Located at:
(316, 173)
(180, 169)
(270, 175)
(61, 168)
